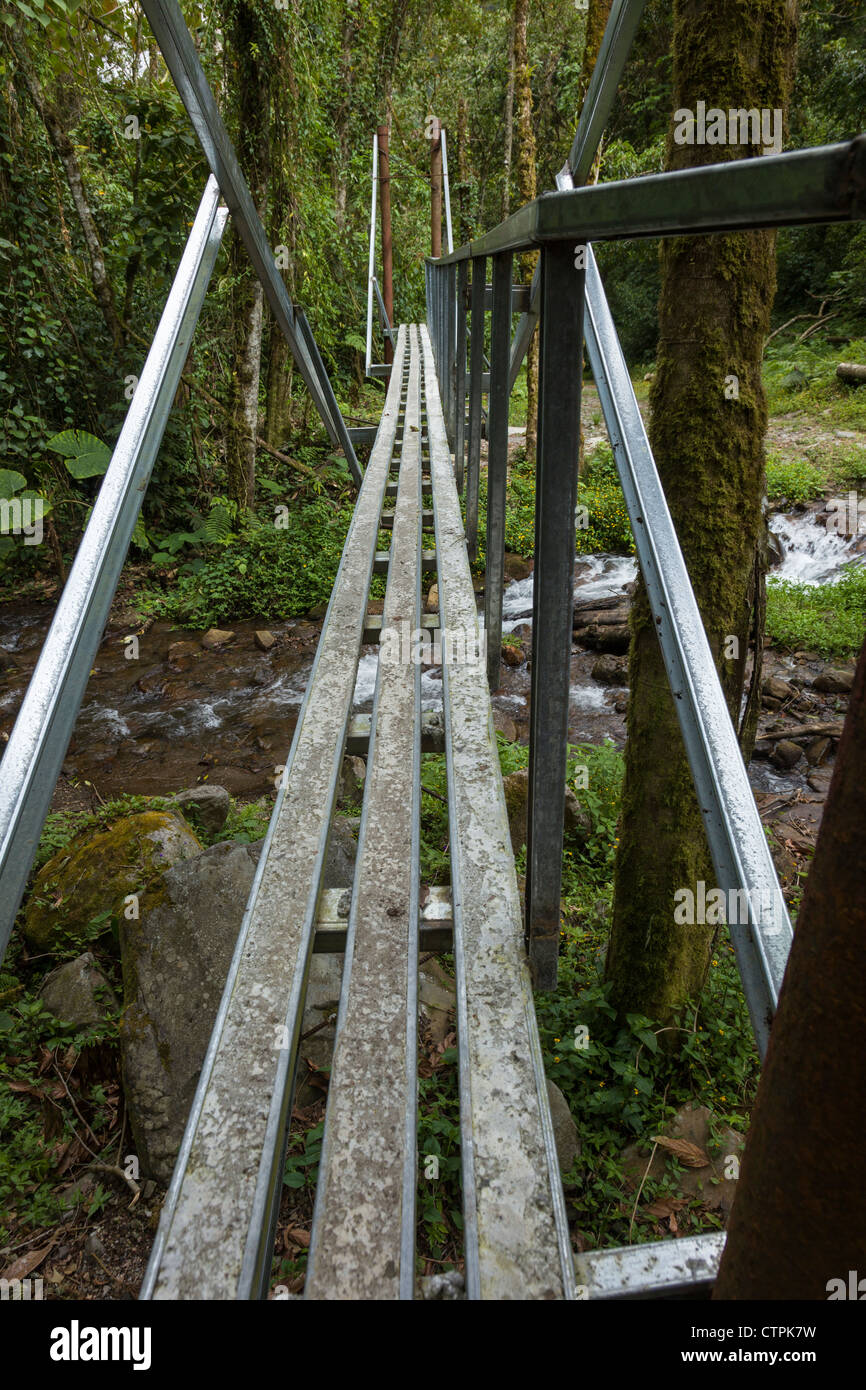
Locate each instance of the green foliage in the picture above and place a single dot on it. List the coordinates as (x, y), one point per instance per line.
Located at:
(27, 1162)
(260, 570)
(826, 618)
(793, 480)
(624, 1079)
(84, 454)
(302, 1159)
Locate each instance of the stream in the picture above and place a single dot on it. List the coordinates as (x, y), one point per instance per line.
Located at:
(227, 715)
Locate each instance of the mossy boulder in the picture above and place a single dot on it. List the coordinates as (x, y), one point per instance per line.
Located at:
(96, 873)
(175, 959)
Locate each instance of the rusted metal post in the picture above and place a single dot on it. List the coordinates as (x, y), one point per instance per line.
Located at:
(436, 187)
(387, 255)
(798, 1225)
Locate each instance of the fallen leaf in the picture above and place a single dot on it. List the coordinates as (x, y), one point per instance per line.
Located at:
(664, 1207)
(25, 1264)
(684, 1150)
(298, 1237)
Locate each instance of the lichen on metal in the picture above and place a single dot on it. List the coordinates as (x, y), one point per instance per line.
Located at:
(215, 1237)
(517, 1241)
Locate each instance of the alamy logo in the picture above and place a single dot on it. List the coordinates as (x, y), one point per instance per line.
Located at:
(738, 905)
(736, 126)
(77, 1343)
(405, 645)
(22, 516)
(21, 1290)
(854, 1289)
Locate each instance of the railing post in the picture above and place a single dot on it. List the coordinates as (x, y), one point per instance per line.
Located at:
(460, 371)
(476, 372)
(382, 134)
(560, 371)
(497, 461)
(450, 276)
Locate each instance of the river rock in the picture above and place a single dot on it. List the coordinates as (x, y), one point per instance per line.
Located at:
(352, 777)
(777, 690)
(564, 1128)
(505, 725)
(817, 750)
(175, 958)
(206, 806)
(786, 754)
(264, 639)
(833, 681)
(516, 567)
(78, 992)
(610, 670)
(216, 637)
(342, 852)
(819, 780)
(512, 656)
(516, 786)
(97, 873)
(432, 604)
(179, 651)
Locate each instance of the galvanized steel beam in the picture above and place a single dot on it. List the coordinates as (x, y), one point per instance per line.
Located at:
(559, 376)
(517, 1244)
(822, 185)
(363, 1235)
(182, 61)
(215, 1237)
(497, 463)
(738, 846)
(37, 745)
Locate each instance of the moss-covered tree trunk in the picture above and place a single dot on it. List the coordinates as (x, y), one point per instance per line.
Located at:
(248, 49)
(526, 189)
(708, 423)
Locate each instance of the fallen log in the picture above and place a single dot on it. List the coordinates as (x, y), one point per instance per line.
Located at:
(834, 728)
(851, 371)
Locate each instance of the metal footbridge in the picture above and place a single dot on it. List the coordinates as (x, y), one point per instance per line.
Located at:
(216, 1233)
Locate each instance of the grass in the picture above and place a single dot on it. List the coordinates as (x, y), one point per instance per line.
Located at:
(802, 377)
(829, 619)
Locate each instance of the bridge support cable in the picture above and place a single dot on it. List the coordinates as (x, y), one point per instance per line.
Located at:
(38, 742)
(182, 61)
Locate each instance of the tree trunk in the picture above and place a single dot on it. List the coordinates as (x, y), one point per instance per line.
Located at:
(708, 423)
(463, 219)
(509, 132)
(526, 189)
(798, 1225)
(65, 151)
(597, 16)
(246, 50)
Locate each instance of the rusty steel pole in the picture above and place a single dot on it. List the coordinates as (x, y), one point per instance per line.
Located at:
(387, 253)
(799, 1218)
(436, 188)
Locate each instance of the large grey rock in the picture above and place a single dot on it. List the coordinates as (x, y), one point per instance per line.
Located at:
(78, 992)
(175, 962)
(207, 806)
(516, 787)
(564, 1128)
(834, 681)
(342, 852)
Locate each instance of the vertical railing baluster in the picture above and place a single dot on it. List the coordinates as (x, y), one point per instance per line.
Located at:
(497, 461)
(451, 351)
(560, 372)
(476, 372)
(460, 375)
